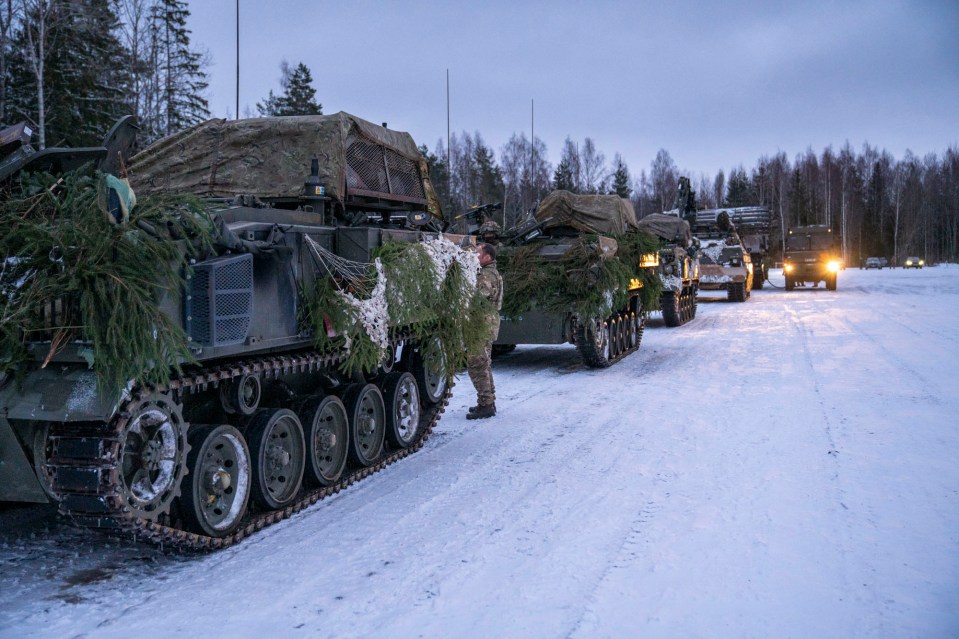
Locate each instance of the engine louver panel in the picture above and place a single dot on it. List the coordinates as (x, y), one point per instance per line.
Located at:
(220, 308)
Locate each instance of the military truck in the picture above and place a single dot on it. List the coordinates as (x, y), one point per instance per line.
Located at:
(580, 272)
(276, 363)
(724, 262)
(678, 257)
(812, 256)
(752, 225)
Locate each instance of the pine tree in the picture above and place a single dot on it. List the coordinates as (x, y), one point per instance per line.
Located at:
(182, 81)
(81, 64)
(299, 96)
(488, 178)
(621, 178)
(739, 190)
(563, 177)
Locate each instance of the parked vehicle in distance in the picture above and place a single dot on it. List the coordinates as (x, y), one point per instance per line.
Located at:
(883, 262)
(914, 262)
(873, 262)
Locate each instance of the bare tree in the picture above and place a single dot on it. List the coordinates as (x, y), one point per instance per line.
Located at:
(38, 20)
(664, 178)
(593, 167)
(134, 32)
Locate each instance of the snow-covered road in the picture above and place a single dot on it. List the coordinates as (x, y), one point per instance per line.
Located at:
(785, 467)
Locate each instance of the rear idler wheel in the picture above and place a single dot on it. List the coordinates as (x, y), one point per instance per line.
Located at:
(401, 397)
(278, 450)
(367, 414)
(217, 489)
(327, 432)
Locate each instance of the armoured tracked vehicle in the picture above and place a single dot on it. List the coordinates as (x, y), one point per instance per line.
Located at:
(579, 272)
(678, 257)
(750, 223)
(724, 262)
(812, 256)
(269, 407)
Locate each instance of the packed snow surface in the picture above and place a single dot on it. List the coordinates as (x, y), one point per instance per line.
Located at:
(785, 467)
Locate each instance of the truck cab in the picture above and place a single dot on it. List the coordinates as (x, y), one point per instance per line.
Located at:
(812, 256)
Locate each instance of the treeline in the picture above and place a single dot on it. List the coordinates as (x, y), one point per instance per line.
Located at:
(73, 67)
(878, 204)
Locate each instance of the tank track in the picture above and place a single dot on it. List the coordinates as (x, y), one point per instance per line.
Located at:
(587, 350)
(85, 465)
(678, 309)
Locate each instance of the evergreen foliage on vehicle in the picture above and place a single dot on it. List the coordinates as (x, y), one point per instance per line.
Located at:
(68, 273)
(426, 288)
(581, 282)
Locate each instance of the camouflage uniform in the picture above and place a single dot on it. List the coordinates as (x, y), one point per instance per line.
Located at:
(490, 283)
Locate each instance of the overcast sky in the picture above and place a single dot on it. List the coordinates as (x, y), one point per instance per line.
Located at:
(715, 84)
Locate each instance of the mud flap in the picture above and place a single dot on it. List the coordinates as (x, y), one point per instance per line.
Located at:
(18, 482)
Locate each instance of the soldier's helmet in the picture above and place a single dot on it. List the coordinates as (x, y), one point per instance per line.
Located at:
(489, 231)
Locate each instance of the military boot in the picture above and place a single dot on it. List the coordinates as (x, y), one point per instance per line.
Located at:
(482, 411)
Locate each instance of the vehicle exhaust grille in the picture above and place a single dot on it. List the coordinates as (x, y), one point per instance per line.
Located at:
(220, 307)
(374, 168)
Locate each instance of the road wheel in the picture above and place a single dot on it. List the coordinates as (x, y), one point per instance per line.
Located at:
(759, 276)
(592, 342)
(364, 406)
(790, 283)
(831, 282)
(217, 488)
(402, 400)
(278, 451)
(670, 305)
(429, 369)
(327, 431)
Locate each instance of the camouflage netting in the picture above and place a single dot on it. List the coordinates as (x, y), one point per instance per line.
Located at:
(582, 281)
(428, 288)
(603, 214)
(670, 228)
(270, 158)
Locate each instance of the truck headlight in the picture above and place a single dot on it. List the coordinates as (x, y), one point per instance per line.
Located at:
(922, 262)
(832, 266)
(788, 268)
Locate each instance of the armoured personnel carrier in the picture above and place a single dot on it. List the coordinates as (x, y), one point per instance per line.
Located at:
(725, 263)
(678, 257)
(272, 321)
(812, 256)
(578, 271)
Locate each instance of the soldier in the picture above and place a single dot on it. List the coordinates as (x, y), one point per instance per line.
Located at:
(489, 232)
(490, 283)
